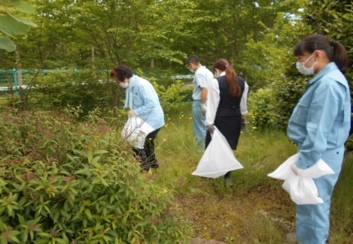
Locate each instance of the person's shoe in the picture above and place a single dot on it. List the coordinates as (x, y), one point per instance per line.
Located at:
(154, 166)
(146, 170)
(228, 181)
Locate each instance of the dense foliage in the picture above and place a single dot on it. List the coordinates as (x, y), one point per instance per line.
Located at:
(68, 182)
(257, 36)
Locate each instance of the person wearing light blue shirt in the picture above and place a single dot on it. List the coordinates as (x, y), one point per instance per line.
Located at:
(320, 124)
(142, 101)
(203, 78)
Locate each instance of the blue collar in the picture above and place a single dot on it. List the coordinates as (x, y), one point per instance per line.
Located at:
(328, 68)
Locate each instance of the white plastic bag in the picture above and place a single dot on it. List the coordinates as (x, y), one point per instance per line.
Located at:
(135, 131)
(217, 159)
(301, 187)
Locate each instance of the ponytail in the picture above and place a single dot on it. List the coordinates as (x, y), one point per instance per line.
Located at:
(339, 55)
(232, 78)
(335, 51)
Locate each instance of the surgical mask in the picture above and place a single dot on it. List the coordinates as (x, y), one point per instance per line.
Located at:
(191, 70)
(303, 70)
(124, 84)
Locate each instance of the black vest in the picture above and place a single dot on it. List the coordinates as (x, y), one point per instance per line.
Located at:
(228, 106)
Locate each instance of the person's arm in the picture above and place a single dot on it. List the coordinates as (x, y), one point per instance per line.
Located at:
(322, 112)
(201, 80)
(244, 100)
(204, 95)
(212, 102)
(150, 101)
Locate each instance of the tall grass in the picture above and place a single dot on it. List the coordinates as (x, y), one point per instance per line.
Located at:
(267, 212)
(342, 205)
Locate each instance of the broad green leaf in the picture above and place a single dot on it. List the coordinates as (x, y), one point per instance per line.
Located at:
(11, 26)
(7, 44)
(24, 21)
(25, 7)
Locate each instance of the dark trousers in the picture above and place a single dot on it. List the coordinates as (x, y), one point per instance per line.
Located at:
(147, 156)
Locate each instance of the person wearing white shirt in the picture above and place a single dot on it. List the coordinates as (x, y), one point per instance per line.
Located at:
(226, 104)
(202, 79)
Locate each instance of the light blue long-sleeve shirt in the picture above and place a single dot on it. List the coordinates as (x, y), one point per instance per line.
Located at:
(143, 99)
(321, 119)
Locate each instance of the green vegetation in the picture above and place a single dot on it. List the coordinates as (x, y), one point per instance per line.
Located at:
(63, 180)
(67, 176)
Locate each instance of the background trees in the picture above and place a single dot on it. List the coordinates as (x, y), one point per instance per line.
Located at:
(155, 38)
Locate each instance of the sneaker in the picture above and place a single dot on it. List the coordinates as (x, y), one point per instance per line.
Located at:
(155, 166)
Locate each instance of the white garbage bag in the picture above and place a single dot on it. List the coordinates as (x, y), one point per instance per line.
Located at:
(135, 131)
(217, 159)
(301, 187)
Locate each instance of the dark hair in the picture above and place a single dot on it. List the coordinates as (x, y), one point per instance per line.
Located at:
(232, 78)
(335, 51)
(221, 64)
(193, 59)
(121, 72)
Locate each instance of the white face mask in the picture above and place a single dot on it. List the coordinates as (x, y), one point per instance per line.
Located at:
(123, 84)
(303, 70)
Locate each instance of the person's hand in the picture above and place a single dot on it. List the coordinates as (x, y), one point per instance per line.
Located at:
(210, 128)
(132, 113)
(295, 169)
(203, 109)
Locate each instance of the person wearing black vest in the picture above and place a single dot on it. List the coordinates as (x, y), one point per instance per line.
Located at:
(224, 106)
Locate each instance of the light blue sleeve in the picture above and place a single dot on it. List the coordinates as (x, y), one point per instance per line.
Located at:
(150, 101)
(322, 112)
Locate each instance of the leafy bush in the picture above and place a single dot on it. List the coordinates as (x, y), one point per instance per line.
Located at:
(287, 94)
(68, 182)
(172, 97)
(55, 90)
(172, 93)
(263, 111)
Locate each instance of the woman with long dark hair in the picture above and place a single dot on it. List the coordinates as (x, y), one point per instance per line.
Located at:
(224, 110)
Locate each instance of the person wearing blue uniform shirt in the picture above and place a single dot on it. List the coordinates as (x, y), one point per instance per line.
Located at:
(142, 101)
(320, 125)
(203, 77)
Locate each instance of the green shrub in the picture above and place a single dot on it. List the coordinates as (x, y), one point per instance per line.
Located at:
(263, 112)
(56, 89)
(68, 182)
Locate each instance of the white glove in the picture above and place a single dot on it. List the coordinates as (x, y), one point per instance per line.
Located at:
(295, 169)
(203, 108)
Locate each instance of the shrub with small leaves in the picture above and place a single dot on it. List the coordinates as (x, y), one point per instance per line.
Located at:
(63, 181)
(263, 110)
